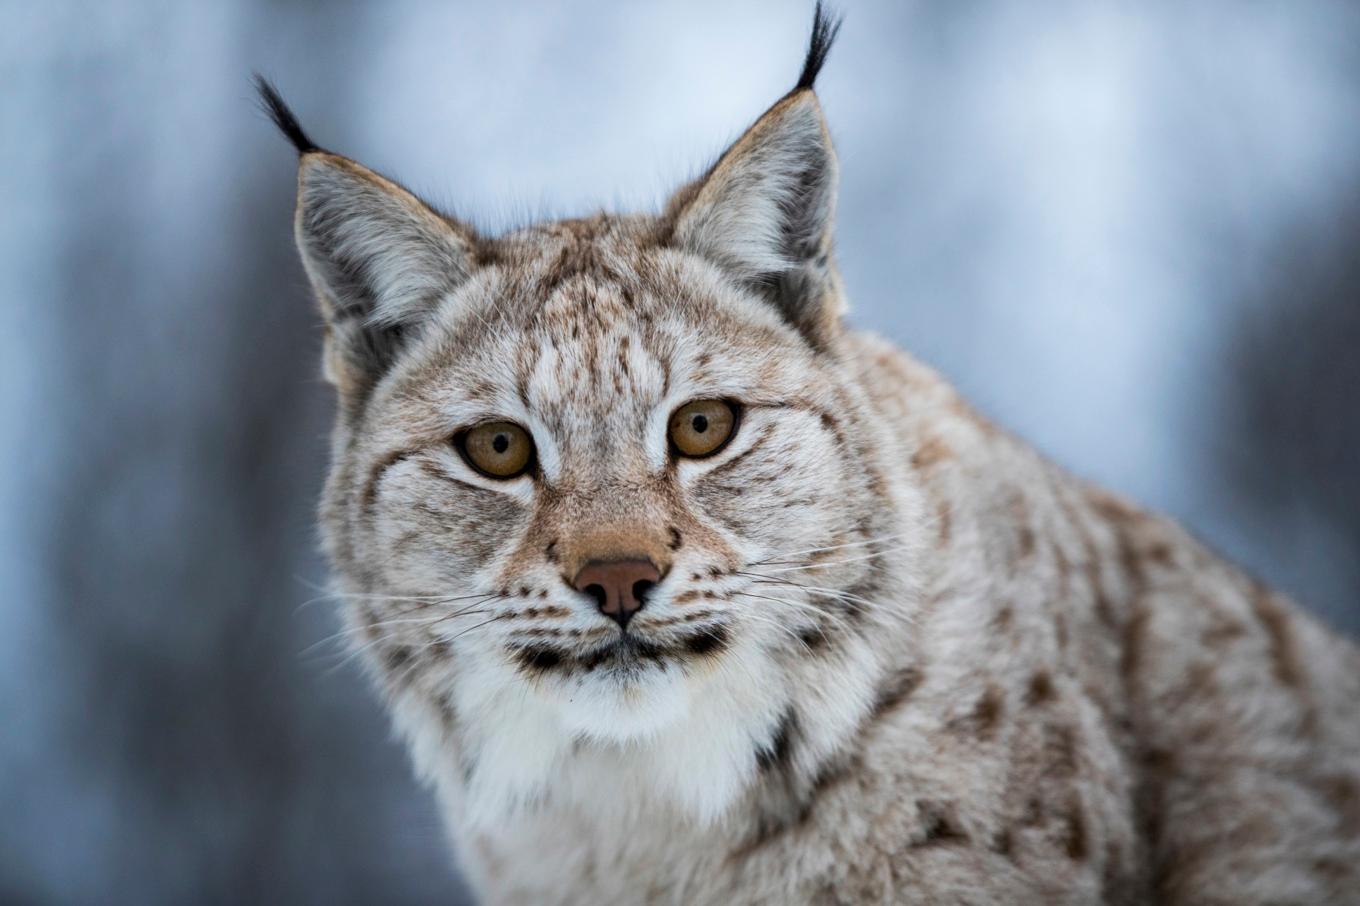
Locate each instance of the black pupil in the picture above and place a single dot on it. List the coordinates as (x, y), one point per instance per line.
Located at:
(500, 443)
(699, 423)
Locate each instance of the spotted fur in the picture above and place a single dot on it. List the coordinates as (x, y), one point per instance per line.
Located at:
(895, 656)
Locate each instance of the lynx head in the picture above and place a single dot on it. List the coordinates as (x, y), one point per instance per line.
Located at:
(599, 484)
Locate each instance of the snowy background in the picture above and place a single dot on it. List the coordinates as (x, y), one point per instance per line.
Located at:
(1130, 231)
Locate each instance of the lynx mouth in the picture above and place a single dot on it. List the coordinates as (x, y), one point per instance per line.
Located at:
(627, 653)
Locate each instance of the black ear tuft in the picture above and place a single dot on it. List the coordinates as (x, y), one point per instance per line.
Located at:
(278, 111)
(825, 27)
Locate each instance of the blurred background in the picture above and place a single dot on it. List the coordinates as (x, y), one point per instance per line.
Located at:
(1130, 231)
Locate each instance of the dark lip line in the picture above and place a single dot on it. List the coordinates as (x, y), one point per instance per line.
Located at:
(627, 650)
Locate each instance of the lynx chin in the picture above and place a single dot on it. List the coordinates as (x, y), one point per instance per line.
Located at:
(681, 591)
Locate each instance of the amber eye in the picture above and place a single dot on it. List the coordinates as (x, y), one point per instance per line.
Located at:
(703, 427)
(497, 449)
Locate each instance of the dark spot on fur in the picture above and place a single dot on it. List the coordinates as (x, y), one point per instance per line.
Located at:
(1160, 553)
(981, 721)
(650, 651)
(829, 776)
(539, 659)
(1156, 765)
(856, 603)
(708, 641)
(1222, 631)
(1104, 611)
(1040, 689)
(1200, 681)
(448, 716)
(676, 539)
(1060, 750)
(1276, 622)
(1034, 811)
(770, 827)
(1129, 561)
(397, 658)
(550, 552)
(594, 659)
(894, 691)
(945, 526)
(931, 451)
(814, 638)
(1075, 842)
(694, 594)
(1336, 870)
(1135, 633)
(777, 752)
(938, 826)
(1342, 794)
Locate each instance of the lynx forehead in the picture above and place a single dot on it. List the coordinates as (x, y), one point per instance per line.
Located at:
(679, 590)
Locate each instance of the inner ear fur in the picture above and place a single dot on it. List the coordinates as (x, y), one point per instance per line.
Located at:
(379, 260)
(765, 211)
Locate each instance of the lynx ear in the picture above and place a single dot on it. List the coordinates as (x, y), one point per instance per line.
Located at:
(764, 211)
(379, 258)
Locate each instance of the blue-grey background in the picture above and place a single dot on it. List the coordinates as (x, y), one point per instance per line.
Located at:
(1128, 230)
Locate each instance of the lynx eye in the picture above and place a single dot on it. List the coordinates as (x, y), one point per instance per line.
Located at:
(497, 449)
(703, 427)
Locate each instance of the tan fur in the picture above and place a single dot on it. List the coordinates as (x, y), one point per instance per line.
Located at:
(896, 657)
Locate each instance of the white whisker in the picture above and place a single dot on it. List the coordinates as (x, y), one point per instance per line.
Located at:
(478, 626)
(786, 555)
(830, 563)
(766, 620)
(802, 607)
(817, 589)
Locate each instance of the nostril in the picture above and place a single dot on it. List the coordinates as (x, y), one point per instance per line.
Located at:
(618, 587)
(641, 589)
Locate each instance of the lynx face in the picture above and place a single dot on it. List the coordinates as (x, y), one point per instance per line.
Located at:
(605, 482)
(592, 365)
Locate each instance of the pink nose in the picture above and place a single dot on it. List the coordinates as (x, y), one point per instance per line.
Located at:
(619, 587)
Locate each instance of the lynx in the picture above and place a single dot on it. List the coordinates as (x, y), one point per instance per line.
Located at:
(681, 591)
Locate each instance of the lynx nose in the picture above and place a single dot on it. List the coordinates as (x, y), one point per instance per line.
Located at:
(619, 587)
